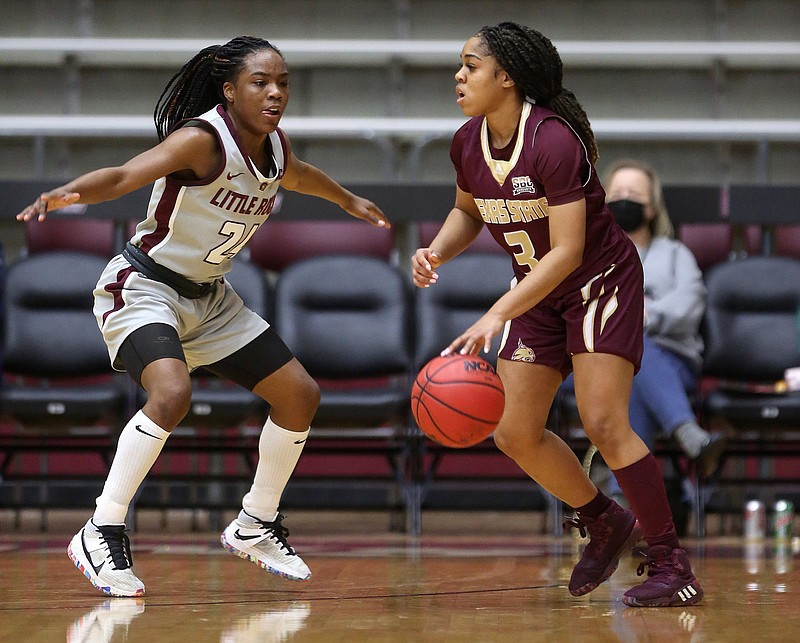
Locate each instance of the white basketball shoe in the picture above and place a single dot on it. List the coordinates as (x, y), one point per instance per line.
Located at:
(103, 554)
(264, 543)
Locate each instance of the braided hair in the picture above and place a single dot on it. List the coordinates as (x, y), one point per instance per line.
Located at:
(533, 63)
(197, 87)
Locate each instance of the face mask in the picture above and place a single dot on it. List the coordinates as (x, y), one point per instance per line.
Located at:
(628, 214)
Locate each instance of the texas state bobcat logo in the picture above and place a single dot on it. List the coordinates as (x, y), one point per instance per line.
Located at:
(523, 353)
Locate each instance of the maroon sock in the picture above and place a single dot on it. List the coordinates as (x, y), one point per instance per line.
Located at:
(595, 506)
(643, 486)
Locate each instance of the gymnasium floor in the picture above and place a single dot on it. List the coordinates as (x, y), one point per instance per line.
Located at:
(471, 577)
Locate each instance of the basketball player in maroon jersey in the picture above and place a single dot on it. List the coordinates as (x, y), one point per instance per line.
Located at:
(524, 165)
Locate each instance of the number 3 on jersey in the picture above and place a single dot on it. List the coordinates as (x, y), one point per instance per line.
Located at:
(527, 254)
(238, 234)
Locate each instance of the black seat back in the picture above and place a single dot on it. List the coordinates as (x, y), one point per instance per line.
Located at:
(750, 329)
(57, 370)
(50, 330)
(467, 287)
(345, 316)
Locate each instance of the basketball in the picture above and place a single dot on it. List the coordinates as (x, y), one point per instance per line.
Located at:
(457, 400)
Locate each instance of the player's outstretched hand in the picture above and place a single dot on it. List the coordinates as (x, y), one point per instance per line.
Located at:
(365, 209)
(424, 263)
(47, 202)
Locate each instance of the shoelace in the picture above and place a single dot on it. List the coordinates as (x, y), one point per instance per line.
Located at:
(653, 566)
(573, 522)
(119, 546)
(597, 537)
(279, 532)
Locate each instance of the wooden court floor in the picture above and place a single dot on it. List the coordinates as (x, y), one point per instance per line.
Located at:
(469, 577)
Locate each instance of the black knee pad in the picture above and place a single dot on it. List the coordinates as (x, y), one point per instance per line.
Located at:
(148, 344)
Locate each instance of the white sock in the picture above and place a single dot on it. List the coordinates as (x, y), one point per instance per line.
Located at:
(139, 445)
(278, 452)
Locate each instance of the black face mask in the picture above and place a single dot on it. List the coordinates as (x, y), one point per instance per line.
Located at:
(628, 214)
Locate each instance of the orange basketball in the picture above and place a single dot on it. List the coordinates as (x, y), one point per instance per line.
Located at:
(457, 400)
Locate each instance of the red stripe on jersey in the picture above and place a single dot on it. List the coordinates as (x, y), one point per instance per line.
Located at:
(163, 215)
(115, 288)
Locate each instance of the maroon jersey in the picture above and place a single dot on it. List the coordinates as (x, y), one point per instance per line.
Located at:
(545, 164)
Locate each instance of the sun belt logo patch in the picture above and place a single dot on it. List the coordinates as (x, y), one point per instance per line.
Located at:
(523, 353)
(522, 184)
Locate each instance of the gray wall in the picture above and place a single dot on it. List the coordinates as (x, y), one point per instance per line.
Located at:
(705, 90)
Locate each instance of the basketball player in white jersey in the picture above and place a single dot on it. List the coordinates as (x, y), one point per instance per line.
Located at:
(165, 308)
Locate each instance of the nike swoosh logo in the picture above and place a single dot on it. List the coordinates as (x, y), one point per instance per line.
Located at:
(231, 175)
(141, 430)
(300, 441)
(243, 537)
(96, 568)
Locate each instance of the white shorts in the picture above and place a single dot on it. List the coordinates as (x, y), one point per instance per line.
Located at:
(210, 328)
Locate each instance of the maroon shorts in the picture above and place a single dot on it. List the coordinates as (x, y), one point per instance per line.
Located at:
(605, 315)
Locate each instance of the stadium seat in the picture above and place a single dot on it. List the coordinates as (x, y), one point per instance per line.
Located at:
(711, 243)
(281, 243)
(751, 338)
(92, 236)
(347, 319)
(51, 337)
(59, 390)
(787, 241)
(467, 287)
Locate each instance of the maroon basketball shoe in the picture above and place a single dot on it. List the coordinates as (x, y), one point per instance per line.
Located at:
(611, 534)
(670, 581)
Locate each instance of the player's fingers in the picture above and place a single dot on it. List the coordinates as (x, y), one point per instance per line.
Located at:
(42, 206)
(421, 281)
(432, 260)
(377, 217)
(421, 264)
(453, 347)
(468, 347)
(25, 214)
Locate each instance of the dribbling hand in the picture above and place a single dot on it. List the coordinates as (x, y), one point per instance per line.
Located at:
(47, 202)
(477, 336)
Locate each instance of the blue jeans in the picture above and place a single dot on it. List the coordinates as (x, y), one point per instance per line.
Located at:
(660, 393)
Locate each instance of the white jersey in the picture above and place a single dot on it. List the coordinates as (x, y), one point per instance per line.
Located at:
(195, 228)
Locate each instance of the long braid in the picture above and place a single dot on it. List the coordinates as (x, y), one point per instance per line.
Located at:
(197, 87)
(533, 63)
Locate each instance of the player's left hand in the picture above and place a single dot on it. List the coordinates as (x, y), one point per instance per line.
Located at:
(365, 209)
(477, 336)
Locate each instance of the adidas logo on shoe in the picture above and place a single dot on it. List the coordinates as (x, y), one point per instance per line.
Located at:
(687, 593)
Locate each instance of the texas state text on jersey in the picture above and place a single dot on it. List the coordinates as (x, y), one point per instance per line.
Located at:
(512, 210)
